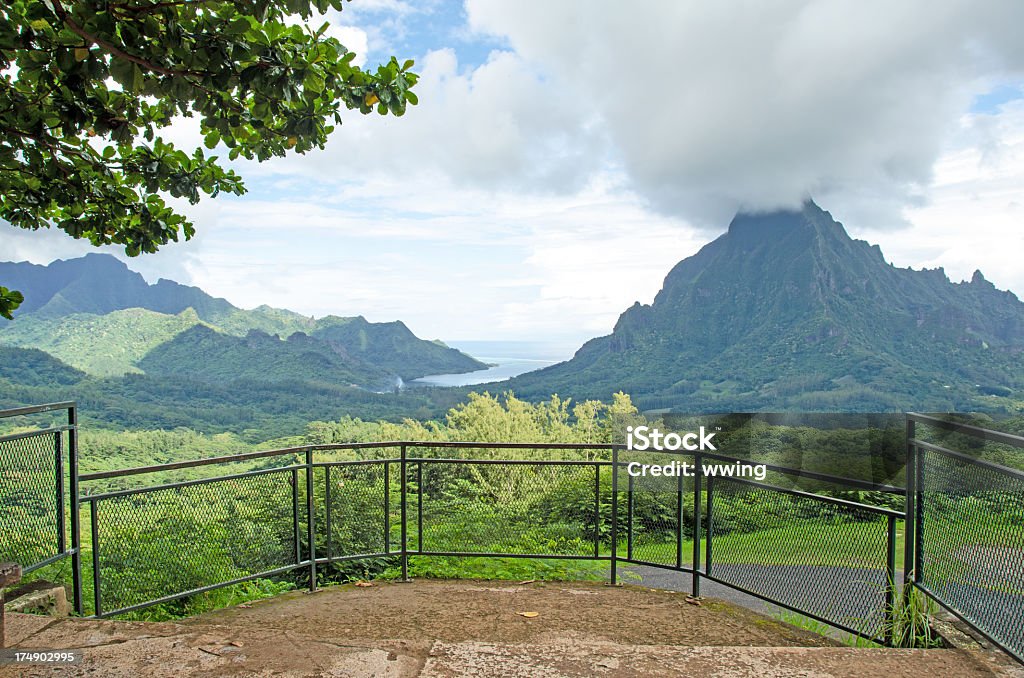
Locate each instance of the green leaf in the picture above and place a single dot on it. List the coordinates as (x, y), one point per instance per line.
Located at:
(257, 84)
(10, 300)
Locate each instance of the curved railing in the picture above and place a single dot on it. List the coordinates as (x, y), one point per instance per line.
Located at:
(156, 534)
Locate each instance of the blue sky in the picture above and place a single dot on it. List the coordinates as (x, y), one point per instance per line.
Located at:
(565, 156)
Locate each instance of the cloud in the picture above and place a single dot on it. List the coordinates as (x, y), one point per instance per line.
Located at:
(496, 126)
(717, 106)
(972, 219)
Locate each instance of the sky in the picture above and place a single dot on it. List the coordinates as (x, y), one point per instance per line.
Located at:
(564, 156)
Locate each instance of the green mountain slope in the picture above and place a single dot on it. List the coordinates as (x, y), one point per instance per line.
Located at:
(203, 354)
(394, 345)
(102, 345)
(786, 311)
(255, 410)
(32, 367)
(96, 314)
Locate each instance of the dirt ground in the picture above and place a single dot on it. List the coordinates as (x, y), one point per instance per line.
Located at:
(444, 628)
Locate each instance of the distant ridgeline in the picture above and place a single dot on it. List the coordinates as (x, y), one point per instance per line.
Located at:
(117, 338)
(786, 311)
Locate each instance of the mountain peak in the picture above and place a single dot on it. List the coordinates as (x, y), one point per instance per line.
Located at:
(786, 310)
(809, 219)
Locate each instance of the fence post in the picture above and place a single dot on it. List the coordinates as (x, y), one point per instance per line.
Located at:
(76, 537)
(405, 523)
(97, 580)
(419, 506)
(295, 516)
(695, 577)
(918, 515)
(710, 528)
(889, 613)
(58, 465)
(327, 512)
(679, 521)
(597, 511)
(910, 504)
(387, 507)
(310, 520)
(629, 517)
(615, 515)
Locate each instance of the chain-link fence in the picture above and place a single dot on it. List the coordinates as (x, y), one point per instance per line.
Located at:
(970, 527)
(820, 553)
(829, 559)
(508, 508)
(38, 477)
(160, 544)
(658, 524)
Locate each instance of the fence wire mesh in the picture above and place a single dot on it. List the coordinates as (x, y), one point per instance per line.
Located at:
(825, 559)
(516, 509)
(658, 525)
(171, 540)
(29, 497)
(355, 518)
(971, 543)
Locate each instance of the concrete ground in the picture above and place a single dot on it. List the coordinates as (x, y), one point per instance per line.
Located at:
(463, 628)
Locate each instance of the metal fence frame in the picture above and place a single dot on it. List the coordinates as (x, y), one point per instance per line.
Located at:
(917, 536)
(66, 496)
(305, 466)
(410, 511)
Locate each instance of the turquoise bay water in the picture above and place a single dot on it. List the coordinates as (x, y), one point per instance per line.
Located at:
(510, 359)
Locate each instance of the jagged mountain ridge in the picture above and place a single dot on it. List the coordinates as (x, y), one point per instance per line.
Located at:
(97, 315)
(785, 310)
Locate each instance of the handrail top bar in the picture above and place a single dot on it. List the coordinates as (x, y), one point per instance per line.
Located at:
(87, 498)
(36, 409)
(810, 495)
(37, 432)
(192, 463)
(814, 475)
(967, 429)
(966, 458)
(245, 456)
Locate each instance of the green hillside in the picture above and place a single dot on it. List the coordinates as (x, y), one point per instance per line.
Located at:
(95, 314)
(394, 345)
(35, 368)
(101, 345)
(203, 354)
(255, 410)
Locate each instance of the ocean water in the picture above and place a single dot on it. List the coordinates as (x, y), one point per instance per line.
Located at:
(510, 359)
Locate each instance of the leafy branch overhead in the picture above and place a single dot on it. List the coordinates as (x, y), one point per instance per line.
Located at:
(87, 86)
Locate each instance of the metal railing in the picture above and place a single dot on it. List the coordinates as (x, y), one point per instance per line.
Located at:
(302, 510)
(968, 514)
(503, 500)
(38, 485)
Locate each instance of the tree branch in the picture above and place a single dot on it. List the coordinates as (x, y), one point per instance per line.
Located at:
(147, 9)
(111, 48)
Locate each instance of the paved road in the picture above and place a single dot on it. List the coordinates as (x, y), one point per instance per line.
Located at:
(846, 595)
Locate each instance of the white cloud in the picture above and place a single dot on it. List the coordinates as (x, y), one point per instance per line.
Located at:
(496, 126)
(715, 106)
(974, 216)
(543, 191)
